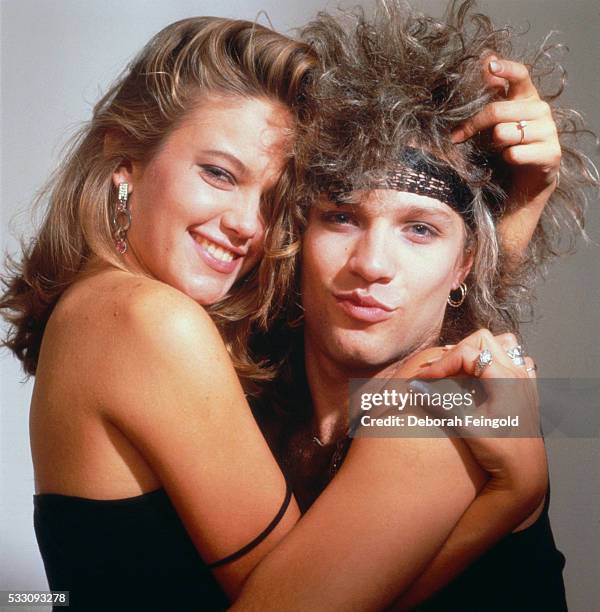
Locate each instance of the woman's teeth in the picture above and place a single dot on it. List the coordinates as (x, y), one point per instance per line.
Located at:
(216, 251)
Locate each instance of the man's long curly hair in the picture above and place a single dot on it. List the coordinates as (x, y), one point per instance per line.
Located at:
(395, 77)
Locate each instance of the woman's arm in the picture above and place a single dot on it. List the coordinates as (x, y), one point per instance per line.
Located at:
(516, 491)
(185, 412)
(368, 535)
(177, 399)
(533, 153)
(175, 396)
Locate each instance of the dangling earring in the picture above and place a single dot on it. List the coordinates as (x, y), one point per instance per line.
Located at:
(455, 303)
(121, 220)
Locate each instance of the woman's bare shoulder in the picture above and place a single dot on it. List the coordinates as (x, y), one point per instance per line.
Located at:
(114, 303)
(117, 326)
(160, 321)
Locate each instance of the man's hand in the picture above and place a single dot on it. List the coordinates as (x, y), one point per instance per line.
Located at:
(533, 150)
(521, 126)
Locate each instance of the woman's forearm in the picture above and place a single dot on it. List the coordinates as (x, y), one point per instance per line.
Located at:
(368, 536)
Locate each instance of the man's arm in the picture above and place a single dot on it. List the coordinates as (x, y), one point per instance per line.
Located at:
(493, 514)
(374, 529)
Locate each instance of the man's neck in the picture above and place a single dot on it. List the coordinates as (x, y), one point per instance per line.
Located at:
(328, 384)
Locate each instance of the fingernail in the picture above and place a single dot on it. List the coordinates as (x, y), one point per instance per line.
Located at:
(449, 346)
(457, 135)
(418, 386)
(495, 66)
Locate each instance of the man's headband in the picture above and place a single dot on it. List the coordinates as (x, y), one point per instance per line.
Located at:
(415, 173)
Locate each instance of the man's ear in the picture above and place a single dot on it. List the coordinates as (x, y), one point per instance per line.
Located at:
(113, 146)
(464, 267)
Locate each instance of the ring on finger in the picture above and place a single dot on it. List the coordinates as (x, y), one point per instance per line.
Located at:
(484, 359)
(532, 368)
(517, 355)
(521, 125)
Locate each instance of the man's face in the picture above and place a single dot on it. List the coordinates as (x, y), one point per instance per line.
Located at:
(376, 275)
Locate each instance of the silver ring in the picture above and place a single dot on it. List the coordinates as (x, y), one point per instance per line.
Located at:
(484, 360)
(521, 125)
(533, 368)
(517, 355)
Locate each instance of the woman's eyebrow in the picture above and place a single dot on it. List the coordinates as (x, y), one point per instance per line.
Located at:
(232, 159)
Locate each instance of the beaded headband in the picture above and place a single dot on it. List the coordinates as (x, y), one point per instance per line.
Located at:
(415, 173)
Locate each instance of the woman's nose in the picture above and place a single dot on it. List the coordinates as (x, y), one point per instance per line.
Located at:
(372, 258)
(242, 220)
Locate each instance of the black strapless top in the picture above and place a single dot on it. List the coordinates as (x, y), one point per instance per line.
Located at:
(135, 554)
(126, 554)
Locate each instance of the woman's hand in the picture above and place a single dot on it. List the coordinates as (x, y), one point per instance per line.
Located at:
(516, 464)
(533, 151)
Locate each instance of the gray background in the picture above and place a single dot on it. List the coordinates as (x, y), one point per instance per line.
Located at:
(57, 56)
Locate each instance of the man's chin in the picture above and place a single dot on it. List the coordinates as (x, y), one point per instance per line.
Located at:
(371, 357)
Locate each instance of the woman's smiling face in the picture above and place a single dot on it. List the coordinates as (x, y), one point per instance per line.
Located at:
(196, 205)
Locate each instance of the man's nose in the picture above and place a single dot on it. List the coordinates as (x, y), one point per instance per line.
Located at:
(241, 221)
(372, 257)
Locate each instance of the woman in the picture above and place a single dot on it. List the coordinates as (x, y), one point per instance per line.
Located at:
(189, 145)
(111, 411)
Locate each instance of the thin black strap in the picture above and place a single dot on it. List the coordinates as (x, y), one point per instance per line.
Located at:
(261, 536)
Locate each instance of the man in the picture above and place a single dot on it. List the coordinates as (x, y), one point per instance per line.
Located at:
(392, 234)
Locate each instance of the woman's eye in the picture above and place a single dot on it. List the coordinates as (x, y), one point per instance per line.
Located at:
(218, 175)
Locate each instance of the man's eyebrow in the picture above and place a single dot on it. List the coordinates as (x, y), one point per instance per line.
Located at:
(429, 211)
(232, 159)
(349, 201)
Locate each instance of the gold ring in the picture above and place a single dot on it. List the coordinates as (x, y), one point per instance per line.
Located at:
(521, 125)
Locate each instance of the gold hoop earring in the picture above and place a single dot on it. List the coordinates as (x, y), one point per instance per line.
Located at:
(456, 303)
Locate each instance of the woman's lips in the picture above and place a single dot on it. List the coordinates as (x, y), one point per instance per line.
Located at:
(362, 311)
(214, 256)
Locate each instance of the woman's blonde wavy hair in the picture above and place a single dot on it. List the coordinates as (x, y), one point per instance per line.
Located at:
(178, 65)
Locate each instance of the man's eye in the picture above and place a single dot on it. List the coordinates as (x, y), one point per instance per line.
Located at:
(339, 218)
(421, 230)
(218, 175)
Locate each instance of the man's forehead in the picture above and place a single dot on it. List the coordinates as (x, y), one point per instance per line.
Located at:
(401, 199)
(386, 201)
(416, 173)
